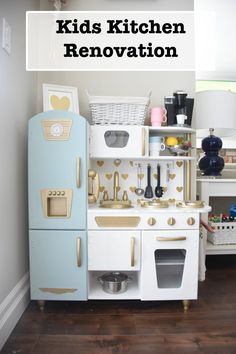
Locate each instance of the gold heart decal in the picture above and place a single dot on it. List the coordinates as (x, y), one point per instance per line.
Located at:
(140, 175)
(155, 175)
(118, 188)
(108, 176)
(172, 175)
(100, 163)
(124, 176)
(60, 103)
(171, 200)
(132, 189)
(101, 189)
(179, 189)
(164, 189)
(131, 163)
(117, 163)
(179, 163)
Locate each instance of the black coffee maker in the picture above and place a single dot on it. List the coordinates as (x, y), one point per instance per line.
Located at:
(179, 104)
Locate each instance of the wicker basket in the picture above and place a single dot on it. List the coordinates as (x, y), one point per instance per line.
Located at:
(118, 110)
(225, 233)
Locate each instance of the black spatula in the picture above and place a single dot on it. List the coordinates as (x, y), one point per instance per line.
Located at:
(158, 189)
(148, 190)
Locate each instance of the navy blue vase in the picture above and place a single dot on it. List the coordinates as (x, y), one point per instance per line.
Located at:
(211, 164)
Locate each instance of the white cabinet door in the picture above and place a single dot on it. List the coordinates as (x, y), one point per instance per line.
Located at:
(113, 250)
(169, 265)
(117, 141)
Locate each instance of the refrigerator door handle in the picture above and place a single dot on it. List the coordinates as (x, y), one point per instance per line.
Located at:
(78, 251)
(78, 172)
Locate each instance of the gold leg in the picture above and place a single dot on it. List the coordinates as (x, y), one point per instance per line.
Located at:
(41, 304)
(186, 304)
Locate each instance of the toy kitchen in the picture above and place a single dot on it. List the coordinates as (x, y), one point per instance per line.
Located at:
(112, 206)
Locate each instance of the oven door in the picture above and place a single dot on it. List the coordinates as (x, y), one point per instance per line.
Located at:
(169, 265)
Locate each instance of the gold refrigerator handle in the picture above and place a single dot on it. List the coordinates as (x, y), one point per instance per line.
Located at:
(143, 141)
(179, 238)
(78, 172)
(78, 251)
(132, 244)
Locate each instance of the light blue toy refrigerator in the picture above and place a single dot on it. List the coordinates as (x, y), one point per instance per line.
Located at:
(57, 180)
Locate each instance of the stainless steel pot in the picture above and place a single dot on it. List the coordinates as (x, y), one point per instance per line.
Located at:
(114, 282)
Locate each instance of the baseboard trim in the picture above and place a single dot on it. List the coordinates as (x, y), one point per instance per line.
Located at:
(12, 308)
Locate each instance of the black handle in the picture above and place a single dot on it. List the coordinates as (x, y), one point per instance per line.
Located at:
(158, 175)
(149, 175)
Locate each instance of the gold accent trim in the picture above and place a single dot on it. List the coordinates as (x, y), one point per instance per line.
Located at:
(186, 304)
(58, 291)
(196, 204)
(179, 238)
(171, 221)
(100, 163)
(124, 176)
(41, 304)
(108, 176)
(179, 163)
(143, 141)
(187, 180)
(78, 251)
(93, 196)
(132, 244)
(140, 176)
(66, 124)
(117, 162)
(78, 172)
(51, 195)
(190, 221)
(172, 176)
(151, 221)
(117, 221)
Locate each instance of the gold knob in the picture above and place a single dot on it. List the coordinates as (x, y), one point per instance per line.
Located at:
(151, 221)
(190, 221)
(171, 221)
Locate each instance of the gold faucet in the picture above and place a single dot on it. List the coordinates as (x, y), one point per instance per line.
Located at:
(115, 186)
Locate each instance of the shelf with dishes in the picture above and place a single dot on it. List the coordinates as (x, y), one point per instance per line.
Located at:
(142, 142)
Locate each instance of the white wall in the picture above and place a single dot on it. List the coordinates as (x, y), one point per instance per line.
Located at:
(125, 5)
(222, 40)
(17, 105)
(120, 83)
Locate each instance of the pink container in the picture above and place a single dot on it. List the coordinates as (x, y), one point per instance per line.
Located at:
(158, 116)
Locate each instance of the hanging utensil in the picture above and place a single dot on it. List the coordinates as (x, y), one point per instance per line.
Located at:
(139, 191)
(148, 190)
(158, 190)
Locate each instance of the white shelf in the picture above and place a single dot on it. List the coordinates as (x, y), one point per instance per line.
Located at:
(163, 158)
(150, 158)
(220, 249)
(96, 292)
(172, 130)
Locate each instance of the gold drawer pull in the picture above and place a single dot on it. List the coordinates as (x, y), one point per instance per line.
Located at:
(78, 172)
(78, 251)
(132, 244)
(179, 238)
(143, 141)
